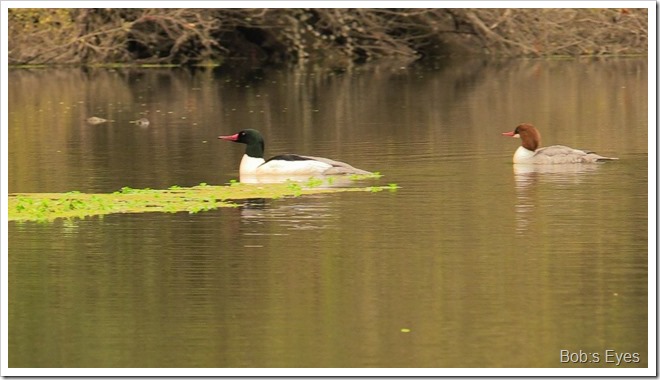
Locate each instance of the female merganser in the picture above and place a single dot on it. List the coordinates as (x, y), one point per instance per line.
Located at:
(530, 153)
(94, 120)
(286, 165)
(144, 122)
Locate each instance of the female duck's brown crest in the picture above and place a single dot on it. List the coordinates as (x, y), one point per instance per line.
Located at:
(530, 136)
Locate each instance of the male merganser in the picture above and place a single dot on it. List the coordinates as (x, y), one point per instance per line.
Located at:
(286, 165)
(530, 153)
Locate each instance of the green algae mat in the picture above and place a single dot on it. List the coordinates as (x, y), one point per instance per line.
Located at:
(50, 206)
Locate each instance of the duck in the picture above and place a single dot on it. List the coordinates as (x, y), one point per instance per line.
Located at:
(530, 151)
(95, 120)
(291, 166)
(143, 122)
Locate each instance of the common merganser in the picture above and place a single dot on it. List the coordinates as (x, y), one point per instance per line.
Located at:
(94, 120)
(143, 122)
(286, 165)
(530, 153)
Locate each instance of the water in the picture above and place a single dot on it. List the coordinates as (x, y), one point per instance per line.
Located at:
(471, 263)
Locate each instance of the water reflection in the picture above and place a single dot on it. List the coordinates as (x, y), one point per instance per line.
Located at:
(528, 176)
(313, 213)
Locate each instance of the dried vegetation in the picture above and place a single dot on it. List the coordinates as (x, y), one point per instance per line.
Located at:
(210, 36)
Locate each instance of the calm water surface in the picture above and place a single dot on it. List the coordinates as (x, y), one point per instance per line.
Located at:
(485, 264)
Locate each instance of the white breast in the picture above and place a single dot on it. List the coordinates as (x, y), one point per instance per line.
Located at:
(523, 155)
(249, 165)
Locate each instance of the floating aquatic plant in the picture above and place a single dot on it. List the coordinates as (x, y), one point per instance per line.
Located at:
(204, 197)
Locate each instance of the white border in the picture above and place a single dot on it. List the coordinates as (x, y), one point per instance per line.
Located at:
(652, 190)
(652, 276)
(649, 4)
(4, 245)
